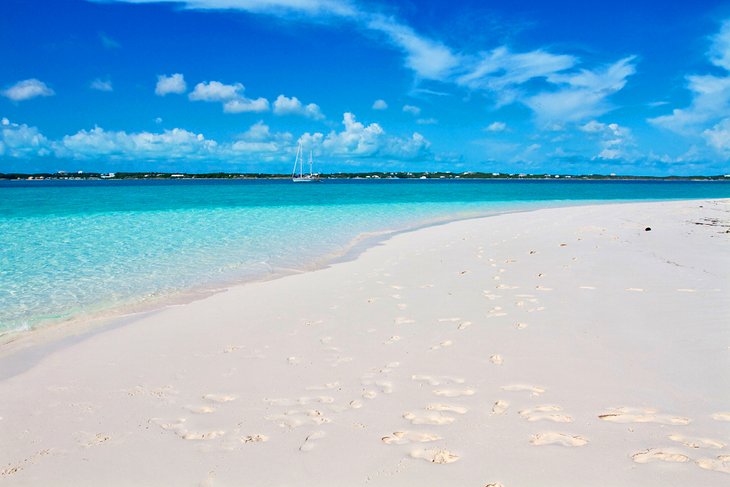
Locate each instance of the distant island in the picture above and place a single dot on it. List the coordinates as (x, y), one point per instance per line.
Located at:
(80, 175)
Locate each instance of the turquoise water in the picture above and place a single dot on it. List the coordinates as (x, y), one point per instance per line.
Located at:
(74, 247)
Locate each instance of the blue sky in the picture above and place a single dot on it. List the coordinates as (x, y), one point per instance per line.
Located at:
(234, 85)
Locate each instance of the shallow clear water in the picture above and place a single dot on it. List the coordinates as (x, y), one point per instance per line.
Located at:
(72, 247)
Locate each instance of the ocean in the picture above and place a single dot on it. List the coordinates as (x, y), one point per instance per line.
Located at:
(71, 249)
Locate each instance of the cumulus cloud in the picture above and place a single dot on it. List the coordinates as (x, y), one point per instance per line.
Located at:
(496, 127)
(20, 140)
(231, 96)
(358, 140)
(101, 85)
(427, 121)
(292, 106)
(27, 89)
(169, 144)
(175, 83)
(259, 140)
(215, 91)
(380, 105)
(718, 137)
(413, 110)
(614, 141)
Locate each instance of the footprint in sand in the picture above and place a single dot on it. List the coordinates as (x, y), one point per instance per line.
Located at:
(505, 286)
(200, 435)
(454, 392)
(534, 390)
(301, 401)
(444, 344)
(200, 409)
(641, 415)
(697, 442)
(219, 398)
(464, 325)
(722, 416)
(590, 288)
(325, 387)
(405, 437)
(635, 289)
(521, 326)
(391, 340)
(554, 438)
(496, 359)
(449, 408)
(545, 412)
(254, 439)
(437, 380)
(311, 440)
(295, 418)
(369, 394)
(403, 321)
(435, 455)
(658, 455)
(718, 464)
(431, 419)
(686, 290)
(294, 360)
(543, 288)
(449, 320)
(500, 407)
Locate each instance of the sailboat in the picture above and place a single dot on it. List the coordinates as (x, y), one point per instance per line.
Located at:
(302, 177)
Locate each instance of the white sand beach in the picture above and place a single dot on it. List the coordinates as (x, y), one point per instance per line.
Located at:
(558, 347)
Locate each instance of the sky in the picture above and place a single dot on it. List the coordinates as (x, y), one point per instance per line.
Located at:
(525, 86)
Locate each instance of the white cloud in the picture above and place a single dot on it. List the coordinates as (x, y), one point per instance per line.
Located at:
(496, 127)
(170, 144)
(231, 96)
(20, 140)
(174, 83)
(710, 95)
(413, 110)
(340, 8)
(215, 91)
(720, 49)
(292, 106)
(718, 137)
(710, 101)
(27, 89)
(357, 140)
(380, 105)
(243, 104)
(259, 139)
(428, 58)
(580, 95)
(614, 141)
(101, 85)
(427, 121)
(500, 71)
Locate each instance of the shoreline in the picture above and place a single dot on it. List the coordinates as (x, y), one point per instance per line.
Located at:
(46, 332)
(562, 346)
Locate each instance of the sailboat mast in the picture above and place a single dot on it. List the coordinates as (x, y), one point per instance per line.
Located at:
(296, 160)
(310, 163)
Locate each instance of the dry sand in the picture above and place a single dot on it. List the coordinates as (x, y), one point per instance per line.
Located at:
(560, 347)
